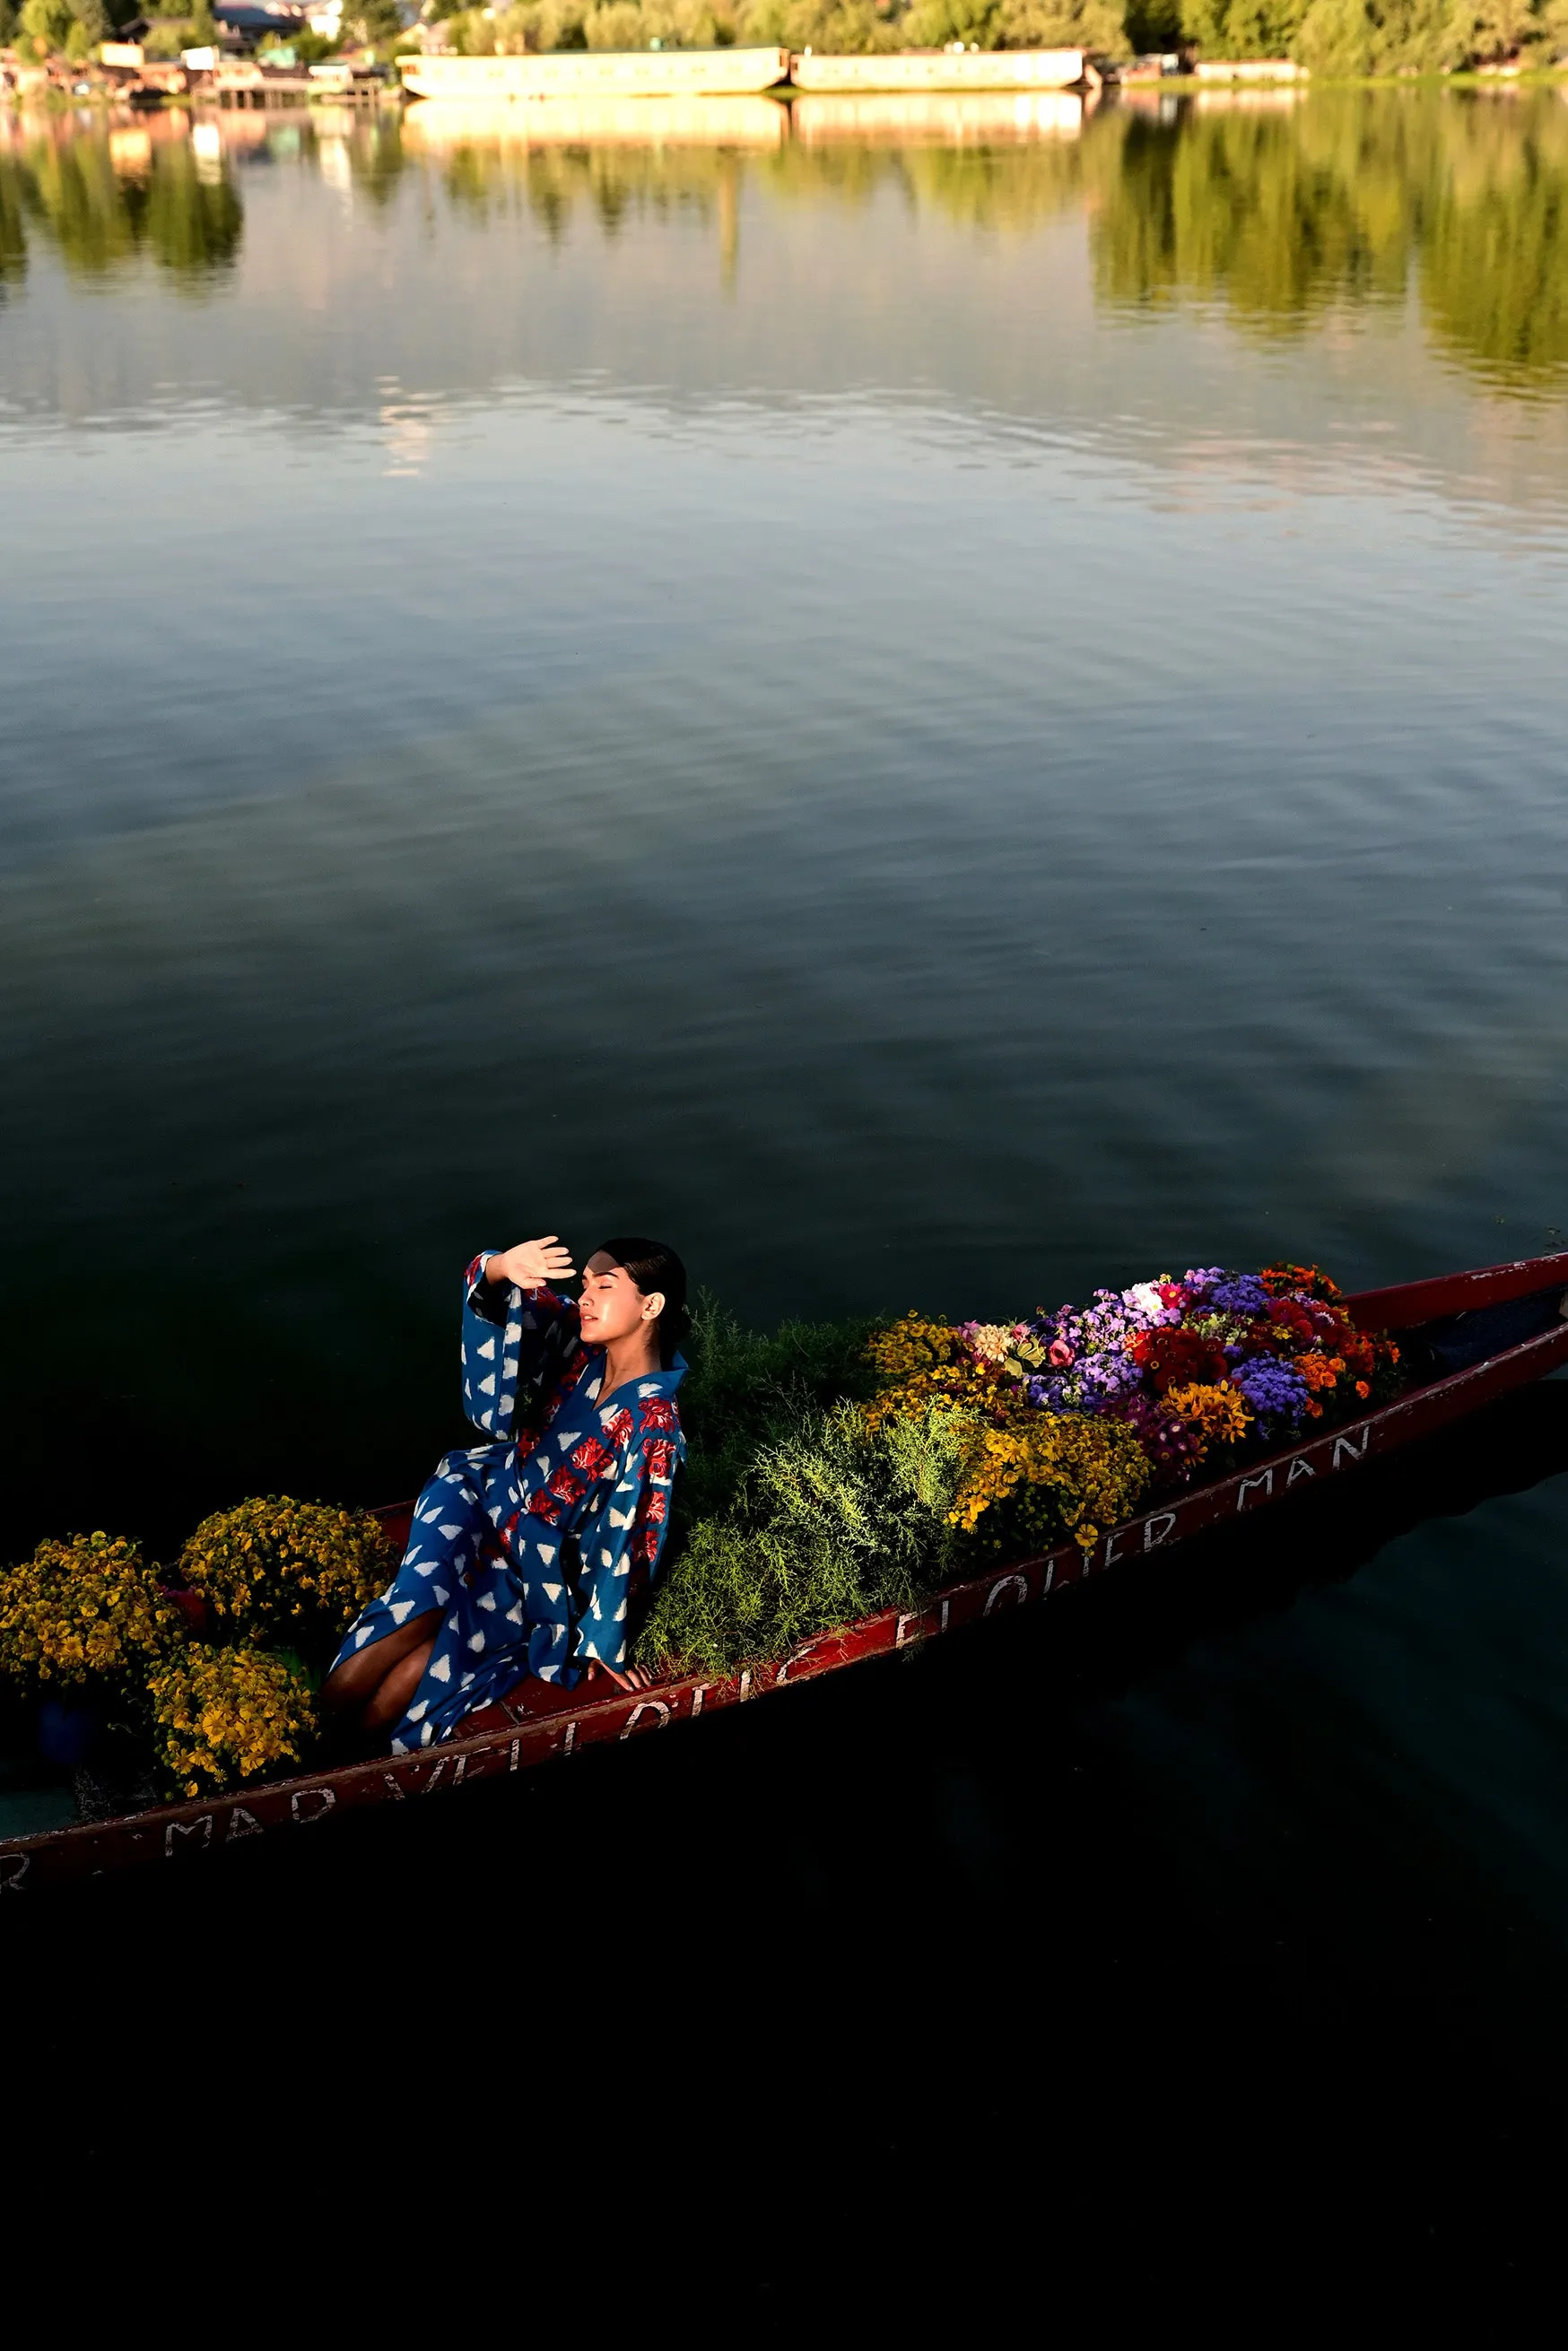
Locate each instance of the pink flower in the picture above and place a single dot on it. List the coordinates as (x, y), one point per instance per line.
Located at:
(1060, 1352)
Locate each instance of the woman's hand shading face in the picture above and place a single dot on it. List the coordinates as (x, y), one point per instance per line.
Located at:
(543, 1264)
(612, 1306)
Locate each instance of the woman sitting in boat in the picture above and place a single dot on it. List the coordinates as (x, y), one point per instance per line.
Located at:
(530, 1554)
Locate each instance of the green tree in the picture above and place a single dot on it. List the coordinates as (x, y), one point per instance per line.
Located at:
(844, 27)
(638, 24)
(1099, 26)
(1242, 28)
(46, 25)
(542, 26)
(367, 22)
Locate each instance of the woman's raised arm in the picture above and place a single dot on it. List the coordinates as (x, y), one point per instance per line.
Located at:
(532, 1265)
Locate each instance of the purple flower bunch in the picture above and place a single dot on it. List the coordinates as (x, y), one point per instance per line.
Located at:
(1275, 1390)
(1089, 1366)
(1215, 1291)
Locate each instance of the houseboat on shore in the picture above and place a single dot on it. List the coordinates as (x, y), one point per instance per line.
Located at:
(738, 73)
(598, 74)
(943, 70)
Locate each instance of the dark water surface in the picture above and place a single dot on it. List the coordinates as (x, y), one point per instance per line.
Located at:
(939, 713)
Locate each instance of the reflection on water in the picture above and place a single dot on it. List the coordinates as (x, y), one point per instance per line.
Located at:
(105, 199)
(1283, 212)
(1276, 207)
(945, 707)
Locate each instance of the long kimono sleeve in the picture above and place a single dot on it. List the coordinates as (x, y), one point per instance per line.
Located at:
(622, 1558)
(506, 1331)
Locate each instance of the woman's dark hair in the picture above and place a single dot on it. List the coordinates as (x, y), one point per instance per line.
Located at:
(652, 1266)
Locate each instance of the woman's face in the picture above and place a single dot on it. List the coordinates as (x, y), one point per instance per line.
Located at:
(612, 1306)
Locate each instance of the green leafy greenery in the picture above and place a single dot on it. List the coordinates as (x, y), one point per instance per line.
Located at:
(744, 1390)
(827, 1524)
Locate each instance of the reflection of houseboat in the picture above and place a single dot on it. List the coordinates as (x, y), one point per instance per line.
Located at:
(938, 118)
(441, 124)
(600, 74)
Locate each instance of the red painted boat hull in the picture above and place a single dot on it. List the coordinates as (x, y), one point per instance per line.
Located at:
(553, 1723)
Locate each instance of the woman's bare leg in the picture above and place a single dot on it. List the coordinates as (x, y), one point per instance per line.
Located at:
(397, 1688)
(357, 1679)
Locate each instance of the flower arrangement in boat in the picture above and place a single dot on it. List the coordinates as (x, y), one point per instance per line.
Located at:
(84, 1610)
(221, 1717)
(1189, 1370)
(834, 1471)
(277, 1567)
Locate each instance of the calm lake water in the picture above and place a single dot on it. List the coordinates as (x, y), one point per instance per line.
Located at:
(940, 708)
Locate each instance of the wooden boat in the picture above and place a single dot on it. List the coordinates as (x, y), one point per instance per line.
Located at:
(599, 73)
(1471, 1337)
(915, 69)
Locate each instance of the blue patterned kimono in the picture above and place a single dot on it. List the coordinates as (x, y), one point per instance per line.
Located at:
(541, 1545)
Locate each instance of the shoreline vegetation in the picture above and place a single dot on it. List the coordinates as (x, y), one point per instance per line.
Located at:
(833, 1470)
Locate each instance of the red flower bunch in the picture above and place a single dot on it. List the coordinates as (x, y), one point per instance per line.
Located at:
(1173, 1357)
(660, 1456)
(592, 1459)
(1279, 1278)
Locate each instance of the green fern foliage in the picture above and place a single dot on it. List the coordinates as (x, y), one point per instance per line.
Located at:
(829, 1523)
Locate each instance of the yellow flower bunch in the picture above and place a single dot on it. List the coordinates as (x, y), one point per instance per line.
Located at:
(911, 1347)
(223, 1716)
(277, 1566)
(1216, 1409)
(925, 1363)
(1041, 1473)
(81, 1609)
